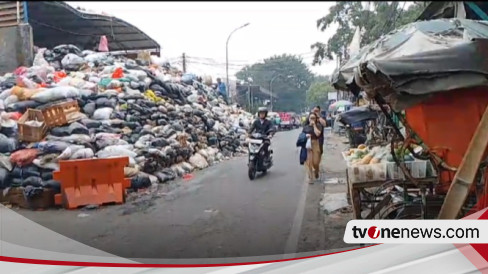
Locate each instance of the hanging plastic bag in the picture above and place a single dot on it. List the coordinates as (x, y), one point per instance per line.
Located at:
(103, 45)
(309, 143)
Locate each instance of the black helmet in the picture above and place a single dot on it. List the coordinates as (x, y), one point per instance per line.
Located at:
(263, 109)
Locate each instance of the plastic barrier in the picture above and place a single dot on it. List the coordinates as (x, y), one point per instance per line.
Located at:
(91, 182)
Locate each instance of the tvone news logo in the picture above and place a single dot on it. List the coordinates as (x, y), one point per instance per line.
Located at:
(373, 232)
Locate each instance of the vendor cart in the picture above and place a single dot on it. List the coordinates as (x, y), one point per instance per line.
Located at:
(443, 89)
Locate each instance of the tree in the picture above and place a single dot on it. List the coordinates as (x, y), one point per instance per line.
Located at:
(317, 94)
(381, 19)
(290, 87)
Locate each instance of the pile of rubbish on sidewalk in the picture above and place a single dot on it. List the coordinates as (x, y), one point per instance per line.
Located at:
(73, 104)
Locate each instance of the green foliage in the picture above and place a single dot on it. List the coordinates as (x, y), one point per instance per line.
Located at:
(380, 19)
(290, 90)
(317, 94)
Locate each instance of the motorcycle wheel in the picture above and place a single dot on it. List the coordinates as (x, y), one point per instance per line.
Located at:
(252, 171)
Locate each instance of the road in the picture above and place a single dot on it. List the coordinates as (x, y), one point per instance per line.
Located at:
(219, 213)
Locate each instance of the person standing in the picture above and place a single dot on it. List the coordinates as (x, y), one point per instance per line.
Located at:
(313, 131)
(222, 89)
(322, 121)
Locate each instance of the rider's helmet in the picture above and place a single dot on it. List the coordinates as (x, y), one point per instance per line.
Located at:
(263, 109)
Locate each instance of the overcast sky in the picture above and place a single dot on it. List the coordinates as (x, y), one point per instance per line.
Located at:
(201, 29)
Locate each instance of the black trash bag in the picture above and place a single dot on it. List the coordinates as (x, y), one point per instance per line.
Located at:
(32, 181)
(159, 142)
(105, 102)
(4, 178)
(54, 185)
(132, 125)
(46, 174)
(53, 147)
(60, 131)
(89, 109)
(7, 145)
(140, 181)
(118, 115)
(32, 192)
(91, 123)
(77, 128)
(22, 106)
(25, 172)
(9, 83)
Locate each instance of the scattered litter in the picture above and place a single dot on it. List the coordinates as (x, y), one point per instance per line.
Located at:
(333, 202)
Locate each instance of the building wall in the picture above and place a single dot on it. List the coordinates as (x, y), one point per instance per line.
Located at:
(16, 47)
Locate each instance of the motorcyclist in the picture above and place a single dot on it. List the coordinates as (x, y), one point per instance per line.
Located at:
(263, 126)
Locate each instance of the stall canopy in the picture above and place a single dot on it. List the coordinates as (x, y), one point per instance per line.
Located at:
(358, 114)
(55, 23)
(419, 59)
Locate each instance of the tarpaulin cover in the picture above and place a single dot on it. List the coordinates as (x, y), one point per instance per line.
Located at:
(421, 58)
(358, 114)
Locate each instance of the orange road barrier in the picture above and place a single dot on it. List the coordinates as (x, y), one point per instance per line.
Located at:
(91, 182)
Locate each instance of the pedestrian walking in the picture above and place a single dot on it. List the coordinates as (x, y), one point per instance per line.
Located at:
(313, 131)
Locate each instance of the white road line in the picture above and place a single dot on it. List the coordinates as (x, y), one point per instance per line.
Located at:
(292, 242)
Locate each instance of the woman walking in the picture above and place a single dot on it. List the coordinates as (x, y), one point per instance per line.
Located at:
(313, 132)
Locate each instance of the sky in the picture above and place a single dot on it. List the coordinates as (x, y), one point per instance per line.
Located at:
(200, 30)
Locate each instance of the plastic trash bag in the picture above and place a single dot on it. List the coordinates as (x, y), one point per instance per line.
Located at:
(7, 145)
(118, 73)
(39, 58)
(69, 151)
(116, 151)
(55, 94)
(96, 57)
(198, 161)
(24, 157)
(72, 61)
(85, 153)
(103, 113)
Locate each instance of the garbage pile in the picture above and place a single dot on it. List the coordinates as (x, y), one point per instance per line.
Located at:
(168, 125)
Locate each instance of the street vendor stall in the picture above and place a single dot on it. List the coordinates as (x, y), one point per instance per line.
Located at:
(356, 120)
(436, 72)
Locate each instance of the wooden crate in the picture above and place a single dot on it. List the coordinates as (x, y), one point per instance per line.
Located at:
(61, 114)
(29, 133)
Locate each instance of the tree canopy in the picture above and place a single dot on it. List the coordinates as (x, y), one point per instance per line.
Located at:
(374, 19)
(292, 78)
(317, 94)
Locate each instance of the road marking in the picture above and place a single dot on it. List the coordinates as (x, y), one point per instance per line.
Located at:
(292, 242)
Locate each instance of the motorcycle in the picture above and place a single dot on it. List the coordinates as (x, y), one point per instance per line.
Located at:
(257, 161)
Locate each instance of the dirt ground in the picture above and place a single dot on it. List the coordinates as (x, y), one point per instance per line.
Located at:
(334, 169)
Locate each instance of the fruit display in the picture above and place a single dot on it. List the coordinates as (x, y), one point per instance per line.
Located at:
(377, 163)
(362, 155)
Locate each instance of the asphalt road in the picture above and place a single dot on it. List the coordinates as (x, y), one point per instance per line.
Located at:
(219, 213)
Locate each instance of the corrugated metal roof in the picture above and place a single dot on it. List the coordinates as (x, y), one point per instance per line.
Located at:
(56, 22)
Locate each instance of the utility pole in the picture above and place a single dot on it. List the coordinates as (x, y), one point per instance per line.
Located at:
(249, 96)
(184, 63)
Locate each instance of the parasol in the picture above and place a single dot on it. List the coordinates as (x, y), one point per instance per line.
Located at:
(340, 104)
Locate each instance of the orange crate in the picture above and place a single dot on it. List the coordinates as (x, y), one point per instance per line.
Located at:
(61, 114)
(29, 133)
